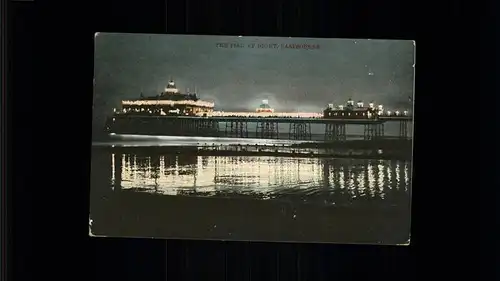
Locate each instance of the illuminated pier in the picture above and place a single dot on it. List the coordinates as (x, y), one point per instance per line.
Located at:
(175, 114)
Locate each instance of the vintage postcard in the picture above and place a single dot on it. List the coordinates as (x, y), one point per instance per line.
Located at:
(252, 138)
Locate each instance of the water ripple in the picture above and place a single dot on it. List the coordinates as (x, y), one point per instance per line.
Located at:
(306, 180)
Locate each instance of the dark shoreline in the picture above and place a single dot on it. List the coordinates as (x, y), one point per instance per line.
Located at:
(136, 214)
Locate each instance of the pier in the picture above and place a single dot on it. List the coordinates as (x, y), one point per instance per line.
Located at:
(299, 128)
(175, 113)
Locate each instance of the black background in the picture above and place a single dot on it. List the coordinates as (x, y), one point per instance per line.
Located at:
(51, 69)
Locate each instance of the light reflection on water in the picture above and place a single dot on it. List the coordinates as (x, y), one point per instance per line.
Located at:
(305, 180)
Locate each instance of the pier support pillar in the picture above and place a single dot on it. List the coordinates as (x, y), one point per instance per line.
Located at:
(207, 128)
(299, 131)
(403, 129)
(236, 129)
(189, 127)
(267, 130)
(373, 131)
(169, 125)
(335, 132)
(214, 128)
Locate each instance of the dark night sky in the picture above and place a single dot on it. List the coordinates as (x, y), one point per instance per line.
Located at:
(238, 79)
